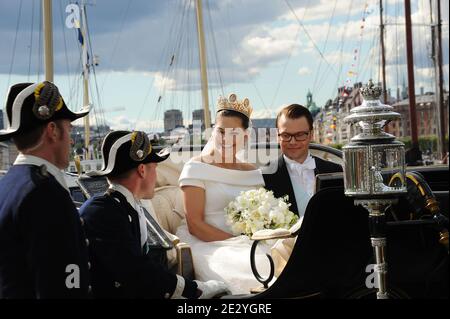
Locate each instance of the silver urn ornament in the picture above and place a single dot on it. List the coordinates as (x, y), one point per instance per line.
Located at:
(373, 157)
(371, 160)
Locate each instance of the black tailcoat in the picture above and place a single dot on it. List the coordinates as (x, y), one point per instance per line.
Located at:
(120, 267)
(40, 236)
(280, 183)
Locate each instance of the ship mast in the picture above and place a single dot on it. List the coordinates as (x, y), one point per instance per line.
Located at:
(48, 39)
(87, 132)
(48, 58)
(383, 58)
(202, 55)
(436, 38)
(411, 85)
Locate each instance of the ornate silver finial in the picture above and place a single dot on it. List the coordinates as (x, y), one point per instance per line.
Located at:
(371, 92)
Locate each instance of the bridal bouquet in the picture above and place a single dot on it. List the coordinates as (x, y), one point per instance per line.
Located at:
(258, 209)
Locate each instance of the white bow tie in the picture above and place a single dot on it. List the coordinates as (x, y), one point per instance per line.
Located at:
(308, 164)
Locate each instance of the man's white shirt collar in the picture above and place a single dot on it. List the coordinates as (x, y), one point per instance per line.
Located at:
(302, 174)
(309, 162)
(23, 159)
(128, 195)
(138, 207)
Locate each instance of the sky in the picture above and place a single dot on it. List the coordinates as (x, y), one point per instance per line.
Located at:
(271, 51)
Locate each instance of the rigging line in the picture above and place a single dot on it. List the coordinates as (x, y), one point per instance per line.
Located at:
(166, 73)
(365, 16)
(31, 40)
(65, 45)
(396, 49)
(284, 70)
(73, 90)
(233, 79)
(231, 40)
(163, 54)
(97, 91)
(342, 44)
(368, 55)
(184, 70)
(39, 56)
(189, 66)
(116, 43)
(373, 68)
(416, 25)
(100, 105)
(190, 62)
(96, 117)
(249, 78)
(316, 77)
(288, 59)
(309, 37)
(74, 76)
(214, 45)
(14, 46)
(174, 66)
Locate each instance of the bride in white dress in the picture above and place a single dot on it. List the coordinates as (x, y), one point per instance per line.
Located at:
(211, 181)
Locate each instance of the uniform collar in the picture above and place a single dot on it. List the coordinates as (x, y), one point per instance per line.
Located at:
(309, 162)
(23, 159)
(135, 203)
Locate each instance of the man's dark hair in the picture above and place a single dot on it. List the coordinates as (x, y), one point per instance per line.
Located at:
(29, 138)
(230, 113)
(121, 176)
(295, 111)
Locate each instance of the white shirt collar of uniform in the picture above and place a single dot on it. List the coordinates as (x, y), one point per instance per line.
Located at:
(128, 195)
(23, 159)
(309, 163)
(138, 207)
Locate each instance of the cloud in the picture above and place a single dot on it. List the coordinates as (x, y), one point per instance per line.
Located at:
(323, 9)
(162, 83)
(266, 45)
(250, 37)
(304, 71)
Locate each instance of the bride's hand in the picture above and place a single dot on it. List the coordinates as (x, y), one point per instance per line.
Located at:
(212, 288)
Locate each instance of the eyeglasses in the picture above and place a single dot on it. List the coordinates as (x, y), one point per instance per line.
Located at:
(299, 136)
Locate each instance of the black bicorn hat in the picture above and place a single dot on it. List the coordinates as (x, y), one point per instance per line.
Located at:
(29, 105)
(125, 150)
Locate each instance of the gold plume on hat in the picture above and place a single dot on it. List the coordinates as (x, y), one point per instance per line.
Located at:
(232, 103)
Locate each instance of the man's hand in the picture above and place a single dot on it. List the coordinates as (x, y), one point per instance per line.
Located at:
(211, 288)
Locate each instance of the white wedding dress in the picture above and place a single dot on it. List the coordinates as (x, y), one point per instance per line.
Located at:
(227, 260)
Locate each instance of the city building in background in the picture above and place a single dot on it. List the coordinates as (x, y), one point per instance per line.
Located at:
(2, 123)
(172, 119)
(199, 116)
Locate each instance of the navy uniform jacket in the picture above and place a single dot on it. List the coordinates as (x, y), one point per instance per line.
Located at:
(40, 236)
(280, 182)
(120, 269)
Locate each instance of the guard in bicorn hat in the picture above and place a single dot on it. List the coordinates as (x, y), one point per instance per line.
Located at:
(43, 249)
(127, 245)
